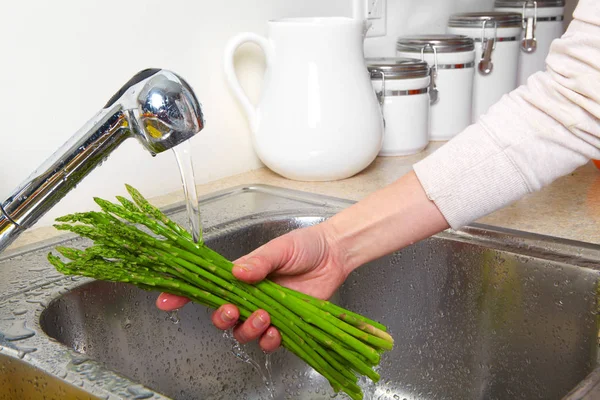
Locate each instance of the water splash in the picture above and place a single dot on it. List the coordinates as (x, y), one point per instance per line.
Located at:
(239, 352)
(183, 155)
(368, 386)
(269, 375)
(173, 316)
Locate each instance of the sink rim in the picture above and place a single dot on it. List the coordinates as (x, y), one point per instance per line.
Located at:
(579, 253)
(471, 232)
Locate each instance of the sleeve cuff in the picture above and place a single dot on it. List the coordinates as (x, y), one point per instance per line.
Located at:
(470, 177)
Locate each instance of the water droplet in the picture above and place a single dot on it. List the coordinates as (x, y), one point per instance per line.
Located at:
(22, 351)
(18, 331)
(78, 360)
(140, 392)
(40, 302)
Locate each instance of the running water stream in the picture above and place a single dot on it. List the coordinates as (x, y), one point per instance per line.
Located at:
(183, 155)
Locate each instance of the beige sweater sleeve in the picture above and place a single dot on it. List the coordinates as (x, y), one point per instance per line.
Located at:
(532, 136)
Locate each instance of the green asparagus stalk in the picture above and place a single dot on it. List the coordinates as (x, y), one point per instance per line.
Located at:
(373, 356)
(351, 318)
(113, 233)
(335, 342)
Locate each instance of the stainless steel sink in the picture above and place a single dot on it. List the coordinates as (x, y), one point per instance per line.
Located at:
(21, 380)
(483, 313)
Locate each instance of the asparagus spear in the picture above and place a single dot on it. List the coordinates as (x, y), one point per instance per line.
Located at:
(335, 342)
(117, 235)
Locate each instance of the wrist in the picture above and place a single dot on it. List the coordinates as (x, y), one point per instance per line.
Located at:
(337, 246)
(388, 220)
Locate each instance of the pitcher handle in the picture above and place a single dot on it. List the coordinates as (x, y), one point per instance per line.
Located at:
(231, 76)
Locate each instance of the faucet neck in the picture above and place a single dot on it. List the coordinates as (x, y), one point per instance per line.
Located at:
(156, 106)
(8, 230)
(66, 168)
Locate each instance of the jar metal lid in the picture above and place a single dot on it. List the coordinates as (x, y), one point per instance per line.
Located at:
(397, 67)
(520, 3)
(476, 19)
(442, 43)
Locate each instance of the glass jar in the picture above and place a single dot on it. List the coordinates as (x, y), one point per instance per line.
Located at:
(496, 36)
(451, 60)
(542, 23)
(402, 86)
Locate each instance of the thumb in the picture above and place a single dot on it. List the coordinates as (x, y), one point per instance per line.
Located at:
(257, 265)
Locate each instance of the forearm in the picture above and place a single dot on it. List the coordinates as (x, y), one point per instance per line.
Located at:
(532, 136)
(388, 220)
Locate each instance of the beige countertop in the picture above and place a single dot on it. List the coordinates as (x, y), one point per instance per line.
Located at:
(569, 208)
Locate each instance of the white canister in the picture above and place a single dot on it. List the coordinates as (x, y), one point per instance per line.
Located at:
(497, 42)
(542, 23)
(402, 85)
(451, 59)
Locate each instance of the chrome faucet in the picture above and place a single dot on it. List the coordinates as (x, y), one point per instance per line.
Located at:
(156, 106)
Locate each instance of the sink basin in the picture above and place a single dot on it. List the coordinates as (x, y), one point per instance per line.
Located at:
(482, 313)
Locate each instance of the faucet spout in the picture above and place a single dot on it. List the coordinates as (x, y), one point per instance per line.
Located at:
(156, 106)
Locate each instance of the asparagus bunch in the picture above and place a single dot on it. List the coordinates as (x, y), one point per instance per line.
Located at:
(337, 343)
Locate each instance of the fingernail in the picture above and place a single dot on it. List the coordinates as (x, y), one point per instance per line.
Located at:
(259, 321)
(246, 266)
(271, 333)
(227, 316)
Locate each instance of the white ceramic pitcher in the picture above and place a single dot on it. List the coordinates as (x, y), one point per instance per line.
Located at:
(318, 118)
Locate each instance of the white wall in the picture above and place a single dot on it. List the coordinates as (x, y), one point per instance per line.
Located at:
(61, 60)
(407, 17)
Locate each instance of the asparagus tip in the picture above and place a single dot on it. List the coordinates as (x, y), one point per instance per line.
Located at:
(65, 218)
(62, 227)
(57, 263)
(133, 191)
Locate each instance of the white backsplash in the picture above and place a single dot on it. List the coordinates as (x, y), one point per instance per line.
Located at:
(62, 60)
(407, 17)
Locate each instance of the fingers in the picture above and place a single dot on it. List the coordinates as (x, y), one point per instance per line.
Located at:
(253, 327)
(170, 302)
(271, 340)
(225, 317)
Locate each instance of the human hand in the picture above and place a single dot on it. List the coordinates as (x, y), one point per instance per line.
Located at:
(308, 260)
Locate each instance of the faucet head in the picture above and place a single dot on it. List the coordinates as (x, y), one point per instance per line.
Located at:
(161, 107)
